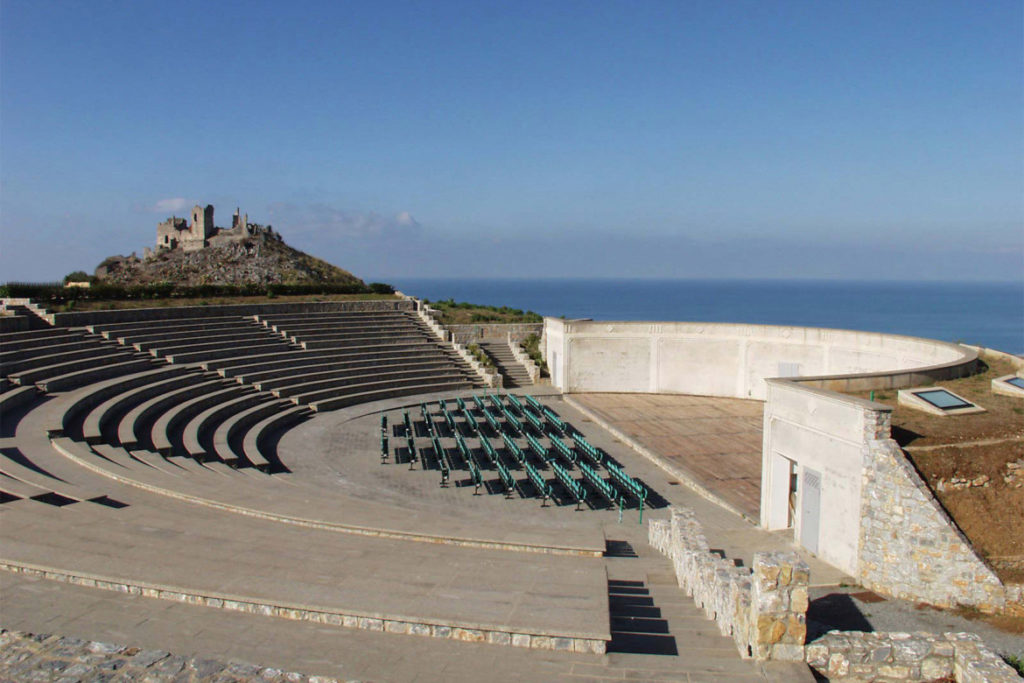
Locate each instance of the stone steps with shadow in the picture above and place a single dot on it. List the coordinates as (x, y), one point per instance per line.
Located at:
(638, 624)
(512, 371)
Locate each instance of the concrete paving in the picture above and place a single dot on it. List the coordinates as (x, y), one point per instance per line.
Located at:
(716, 441)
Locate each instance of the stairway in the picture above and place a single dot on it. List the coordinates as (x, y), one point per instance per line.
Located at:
(512, 371)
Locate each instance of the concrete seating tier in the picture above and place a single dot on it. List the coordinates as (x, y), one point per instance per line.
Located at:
(267, 428)
(101, 422)
(81, 378)
(15, 367)
(167, 432)
(369, 393)
(134, 428)
(56, 365)
(17, 397)
(74, 343)
(25, 482)
(305, 384)
(233, 367)
(91, 397)
(355, 333)
(311, 360)
(286, 318)
(146, 332)
(339, 321)
(200, 344)
(282, 378)
(8, 338)
(229, 436)
(304, 328)
(200, 353)
(11, 342)
(197, 436)
(195, 337)
(115, 328)
(367, 341)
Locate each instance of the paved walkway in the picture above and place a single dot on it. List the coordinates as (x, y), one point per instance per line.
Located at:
(717, 441)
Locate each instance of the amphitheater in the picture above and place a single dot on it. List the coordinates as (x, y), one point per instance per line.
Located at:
(341, 490)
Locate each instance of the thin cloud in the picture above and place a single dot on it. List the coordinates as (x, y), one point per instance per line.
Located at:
(324, 221)
(172, 205)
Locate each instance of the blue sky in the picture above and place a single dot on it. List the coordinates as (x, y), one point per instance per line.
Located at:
(591, 139)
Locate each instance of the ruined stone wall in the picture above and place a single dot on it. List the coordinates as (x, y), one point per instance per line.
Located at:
(909, 547)
(850, 656)
(763, 608)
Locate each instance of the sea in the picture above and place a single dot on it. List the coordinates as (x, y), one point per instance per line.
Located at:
(978, 313)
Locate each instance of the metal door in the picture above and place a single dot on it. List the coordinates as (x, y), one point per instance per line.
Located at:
(810, 510)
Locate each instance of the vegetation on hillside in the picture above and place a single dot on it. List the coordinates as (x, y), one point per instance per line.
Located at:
(463, 313)
(531, 345)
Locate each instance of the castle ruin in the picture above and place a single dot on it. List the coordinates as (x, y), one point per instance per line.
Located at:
(179, 233)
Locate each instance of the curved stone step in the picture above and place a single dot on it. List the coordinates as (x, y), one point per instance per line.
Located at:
(134, 423)
(229, 436)
(90, 397)
(266, 428)
(79, 378)
(333, 403)
(101, 421)
(166, 432)
(314, 391)
(375, 368)
(198, 430)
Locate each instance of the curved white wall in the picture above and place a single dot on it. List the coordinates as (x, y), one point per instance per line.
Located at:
(718, 359)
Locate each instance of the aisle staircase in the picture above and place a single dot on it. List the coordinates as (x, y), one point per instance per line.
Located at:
(512, 371)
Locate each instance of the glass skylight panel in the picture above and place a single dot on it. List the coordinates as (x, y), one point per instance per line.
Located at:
(940, 398)
(1016, 381)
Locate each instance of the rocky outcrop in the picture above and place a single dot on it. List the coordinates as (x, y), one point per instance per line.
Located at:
(255, 260)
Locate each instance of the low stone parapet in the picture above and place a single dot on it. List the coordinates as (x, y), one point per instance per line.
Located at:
(763, 608)
(855, 656)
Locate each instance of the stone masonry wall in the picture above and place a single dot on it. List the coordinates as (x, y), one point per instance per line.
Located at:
(909, 547)
(883, 657)
(763, 608)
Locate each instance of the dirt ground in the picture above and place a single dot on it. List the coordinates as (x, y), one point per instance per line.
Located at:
(974, 464)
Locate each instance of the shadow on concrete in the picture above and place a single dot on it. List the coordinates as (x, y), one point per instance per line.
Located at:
(15, 455)
(10, 419)
(619, 549)
(834, 611)
(637, 626)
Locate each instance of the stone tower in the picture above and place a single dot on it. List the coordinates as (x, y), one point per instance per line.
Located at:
(201, 229)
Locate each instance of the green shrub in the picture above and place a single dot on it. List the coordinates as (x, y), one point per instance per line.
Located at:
(531, 345)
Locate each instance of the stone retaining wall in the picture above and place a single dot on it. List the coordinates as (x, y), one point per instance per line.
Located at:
(909, 547)
(763, 608)
(468, 334)
(882, 657)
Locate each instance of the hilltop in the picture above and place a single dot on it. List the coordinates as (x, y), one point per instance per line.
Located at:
(251, 260)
